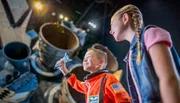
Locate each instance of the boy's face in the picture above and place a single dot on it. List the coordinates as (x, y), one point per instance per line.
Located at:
(91, 63)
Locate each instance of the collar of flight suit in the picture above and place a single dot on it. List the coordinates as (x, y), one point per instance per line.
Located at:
(95, 74)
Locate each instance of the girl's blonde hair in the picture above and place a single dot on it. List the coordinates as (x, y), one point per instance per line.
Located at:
(137, 21)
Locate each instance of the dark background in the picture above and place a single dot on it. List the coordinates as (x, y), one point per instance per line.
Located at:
(163, 13)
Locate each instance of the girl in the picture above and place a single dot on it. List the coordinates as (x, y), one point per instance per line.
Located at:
(152, 61)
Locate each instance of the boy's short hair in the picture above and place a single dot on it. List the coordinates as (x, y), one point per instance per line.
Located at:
(100, 55)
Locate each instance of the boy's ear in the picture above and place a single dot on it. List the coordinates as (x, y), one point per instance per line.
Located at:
(102, 61)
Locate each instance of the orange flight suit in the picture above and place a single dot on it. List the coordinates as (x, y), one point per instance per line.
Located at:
(113, 91)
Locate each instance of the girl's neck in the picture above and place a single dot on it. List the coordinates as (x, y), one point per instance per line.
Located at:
(129, 34)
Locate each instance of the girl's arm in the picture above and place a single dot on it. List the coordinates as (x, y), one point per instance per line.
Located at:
(166, 71)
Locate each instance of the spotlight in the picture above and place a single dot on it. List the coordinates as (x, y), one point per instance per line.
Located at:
(38, 5)
(61, 16)
(94, 26)
(53, 14)
(90, 23)
(66, 19)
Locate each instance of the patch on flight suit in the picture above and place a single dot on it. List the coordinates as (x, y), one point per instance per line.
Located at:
(93, 99)
(117, 87)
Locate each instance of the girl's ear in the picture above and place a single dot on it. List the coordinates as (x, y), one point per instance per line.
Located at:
(125, 18)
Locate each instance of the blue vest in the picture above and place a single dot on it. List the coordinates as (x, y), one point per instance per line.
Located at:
(146, 83)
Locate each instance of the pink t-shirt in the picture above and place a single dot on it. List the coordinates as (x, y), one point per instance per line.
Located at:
(156, 35)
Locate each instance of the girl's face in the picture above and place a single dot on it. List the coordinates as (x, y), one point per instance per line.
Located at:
(117, 28)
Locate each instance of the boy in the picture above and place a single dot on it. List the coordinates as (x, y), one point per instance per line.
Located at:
(99, 86)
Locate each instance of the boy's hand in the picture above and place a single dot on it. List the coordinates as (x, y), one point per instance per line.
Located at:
(61, 65)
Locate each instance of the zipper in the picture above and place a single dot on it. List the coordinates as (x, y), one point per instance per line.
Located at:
(88, 86)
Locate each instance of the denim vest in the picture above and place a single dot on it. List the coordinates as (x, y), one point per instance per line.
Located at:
(143, 83)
